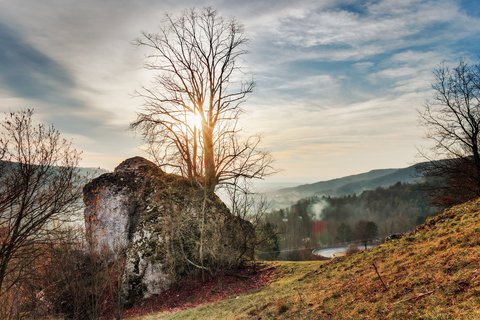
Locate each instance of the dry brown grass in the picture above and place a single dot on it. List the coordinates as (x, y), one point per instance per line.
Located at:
(432, 273)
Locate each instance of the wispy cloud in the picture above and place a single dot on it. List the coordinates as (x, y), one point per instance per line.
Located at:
(338, 81)
(29, 73)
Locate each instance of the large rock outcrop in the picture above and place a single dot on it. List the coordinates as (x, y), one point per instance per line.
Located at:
(162, 225)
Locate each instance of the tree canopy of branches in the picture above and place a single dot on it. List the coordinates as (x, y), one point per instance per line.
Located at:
(38, 185)
(452, 121)
(190, 116)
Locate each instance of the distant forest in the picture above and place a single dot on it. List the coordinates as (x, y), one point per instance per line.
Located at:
(329, 220)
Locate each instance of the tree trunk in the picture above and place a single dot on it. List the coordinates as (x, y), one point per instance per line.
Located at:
(3, 267)
(209, 158)
(195, 155)
(476, 161)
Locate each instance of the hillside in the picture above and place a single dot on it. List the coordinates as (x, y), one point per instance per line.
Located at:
(431, 273)
(345, 186)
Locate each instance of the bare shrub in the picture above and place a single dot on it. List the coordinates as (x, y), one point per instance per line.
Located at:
(77, 283)
(351, 249)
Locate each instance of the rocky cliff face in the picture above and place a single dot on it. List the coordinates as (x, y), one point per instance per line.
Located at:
(162, 225)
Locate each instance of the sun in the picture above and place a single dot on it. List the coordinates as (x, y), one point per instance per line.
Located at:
(193, 120)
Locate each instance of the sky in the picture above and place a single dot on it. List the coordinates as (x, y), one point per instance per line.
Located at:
(338, 83)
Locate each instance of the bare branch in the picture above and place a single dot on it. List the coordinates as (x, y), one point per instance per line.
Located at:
(195, 60)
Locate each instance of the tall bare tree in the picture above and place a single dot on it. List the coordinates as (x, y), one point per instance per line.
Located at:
(452, 120)
(39, 184)
(191, 112)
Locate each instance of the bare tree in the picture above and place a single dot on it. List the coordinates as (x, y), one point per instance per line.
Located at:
(191, 113)
(452, 120)
(39, 184)
(366, 231)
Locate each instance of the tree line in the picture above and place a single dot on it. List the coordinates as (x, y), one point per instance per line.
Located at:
(318, 221)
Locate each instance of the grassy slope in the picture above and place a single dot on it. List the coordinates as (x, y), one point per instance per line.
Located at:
(433, 273)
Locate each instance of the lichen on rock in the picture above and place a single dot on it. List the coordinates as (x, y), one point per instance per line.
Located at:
(164, 227)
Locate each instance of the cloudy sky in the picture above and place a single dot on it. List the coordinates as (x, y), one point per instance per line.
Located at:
(338, 82)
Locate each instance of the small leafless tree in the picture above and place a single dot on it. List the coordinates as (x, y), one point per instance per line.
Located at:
(366, 231)
(86, 287)
(39, 185)
(191, 113)
(452, 121)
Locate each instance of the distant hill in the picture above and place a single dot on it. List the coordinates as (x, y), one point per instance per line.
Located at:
(344, 186)
(91, 172)
(85, 173)
(88, 172)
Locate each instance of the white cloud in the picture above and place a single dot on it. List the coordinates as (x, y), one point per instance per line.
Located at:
(340, 121)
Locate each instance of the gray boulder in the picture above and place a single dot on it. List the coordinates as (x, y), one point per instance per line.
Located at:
(162, 227)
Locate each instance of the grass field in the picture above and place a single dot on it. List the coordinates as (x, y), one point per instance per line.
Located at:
(432, 273)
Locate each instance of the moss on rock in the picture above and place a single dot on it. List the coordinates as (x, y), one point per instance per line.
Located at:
(165, 226)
